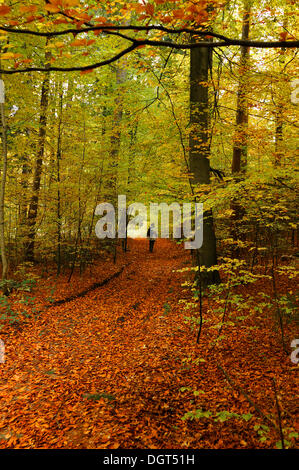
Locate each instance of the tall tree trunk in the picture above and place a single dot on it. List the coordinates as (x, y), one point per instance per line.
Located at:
(81, 206)
(33, 205)
(58, 158)
(115, 140)
(239, 161)
(279, 111)
(240, 149)
(199, 163)
(2, 191)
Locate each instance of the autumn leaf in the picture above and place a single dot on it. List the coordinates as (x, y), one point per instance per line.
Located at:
(70, 3)
(283, 36)
(84, 72)
(100, 19)
(79, 43)
(28, 8)
(52, 8)
(10, 55)
(4, 10)
(150, 9)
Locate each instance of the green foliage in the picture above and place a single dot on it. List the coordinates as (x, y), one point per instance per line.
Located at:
(220, 416)
(10, 309)
(167, 308)
(98, 396)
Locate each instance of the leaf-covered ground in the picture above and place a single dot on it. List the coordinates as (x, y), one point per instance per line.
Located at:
(118, 366)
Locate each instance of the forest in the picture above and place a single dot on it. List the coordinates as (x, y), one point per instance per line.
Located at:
(125, 335)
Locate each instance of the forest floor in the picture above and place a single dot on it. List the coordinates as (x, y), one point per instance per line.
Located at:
(118, 366)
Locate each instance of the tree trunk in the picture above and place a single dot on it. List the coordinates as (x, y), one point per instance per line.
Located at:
(58, 158)
(2, 192)
(33, 205)
(199, 163)
(280, 106)
(239, 161)
(240, 150)
(115, 140)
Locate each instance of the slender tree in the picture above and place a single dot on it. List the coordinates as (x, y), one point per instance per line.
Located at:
(33, 205)
(199, 163)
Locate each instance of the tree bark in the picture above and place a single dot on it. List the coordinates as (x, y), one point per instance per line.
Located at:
(240, 149)
(279, 112)
(199, 163)
(239, 161)
(2, 193)
(33, 205)
(115, 140)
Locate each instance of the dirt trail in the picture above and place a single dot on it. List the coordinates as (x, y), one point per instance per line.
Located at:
(113, 341)
(105, 370)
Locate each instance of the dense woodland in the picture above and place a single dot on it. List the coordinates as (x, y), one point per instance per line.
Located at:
(107, 345)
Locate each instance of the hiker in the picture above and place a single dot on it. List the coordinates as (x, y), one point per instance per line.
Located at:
(152, 235)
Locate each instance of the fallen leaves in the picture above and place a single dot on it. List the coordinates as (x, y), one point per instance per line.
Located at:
(74, 377)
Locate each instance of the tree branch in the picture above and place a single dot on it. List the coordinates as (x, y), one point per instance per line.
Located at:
(103, 28)
(147, 42)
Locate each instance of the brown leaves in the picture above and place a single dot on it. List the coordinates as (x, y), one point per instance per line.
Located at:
(4, 10)
(75, 377)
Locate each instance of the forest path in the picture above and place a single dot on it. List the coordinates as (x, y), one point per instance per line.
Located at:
(118, 341)
(106, 370)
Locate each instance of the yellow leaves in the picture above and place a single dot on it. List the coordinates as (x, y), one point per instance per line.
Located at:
(4, 10)
(10, 55)
(57, 45)
(56, 5)
(70, 3)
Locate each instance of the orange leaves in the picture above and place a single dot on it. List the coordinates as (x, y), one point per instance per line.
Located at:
(4, 10)
(84, 72)
(283, 36)
(28, 8)
(60, 21)
(145, 10)
(149, 9)
(52, 8)
(78, 42)
(76, 379)
(82, 42)
(56, 5)
(100, 20)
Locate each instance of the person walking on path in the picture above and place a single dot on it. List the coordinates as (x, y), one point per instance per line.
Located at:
(152, 235)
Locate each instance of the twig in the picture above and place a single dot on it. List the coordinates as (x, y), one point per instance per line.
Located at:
(200, 295)
(86, 291)
(278, 415)
(240, 390)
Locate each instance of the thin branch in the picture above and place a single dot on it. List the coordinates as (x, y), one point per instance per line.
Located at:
(73, 69)
(107, 28)
(278, 414)
(240, 390)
